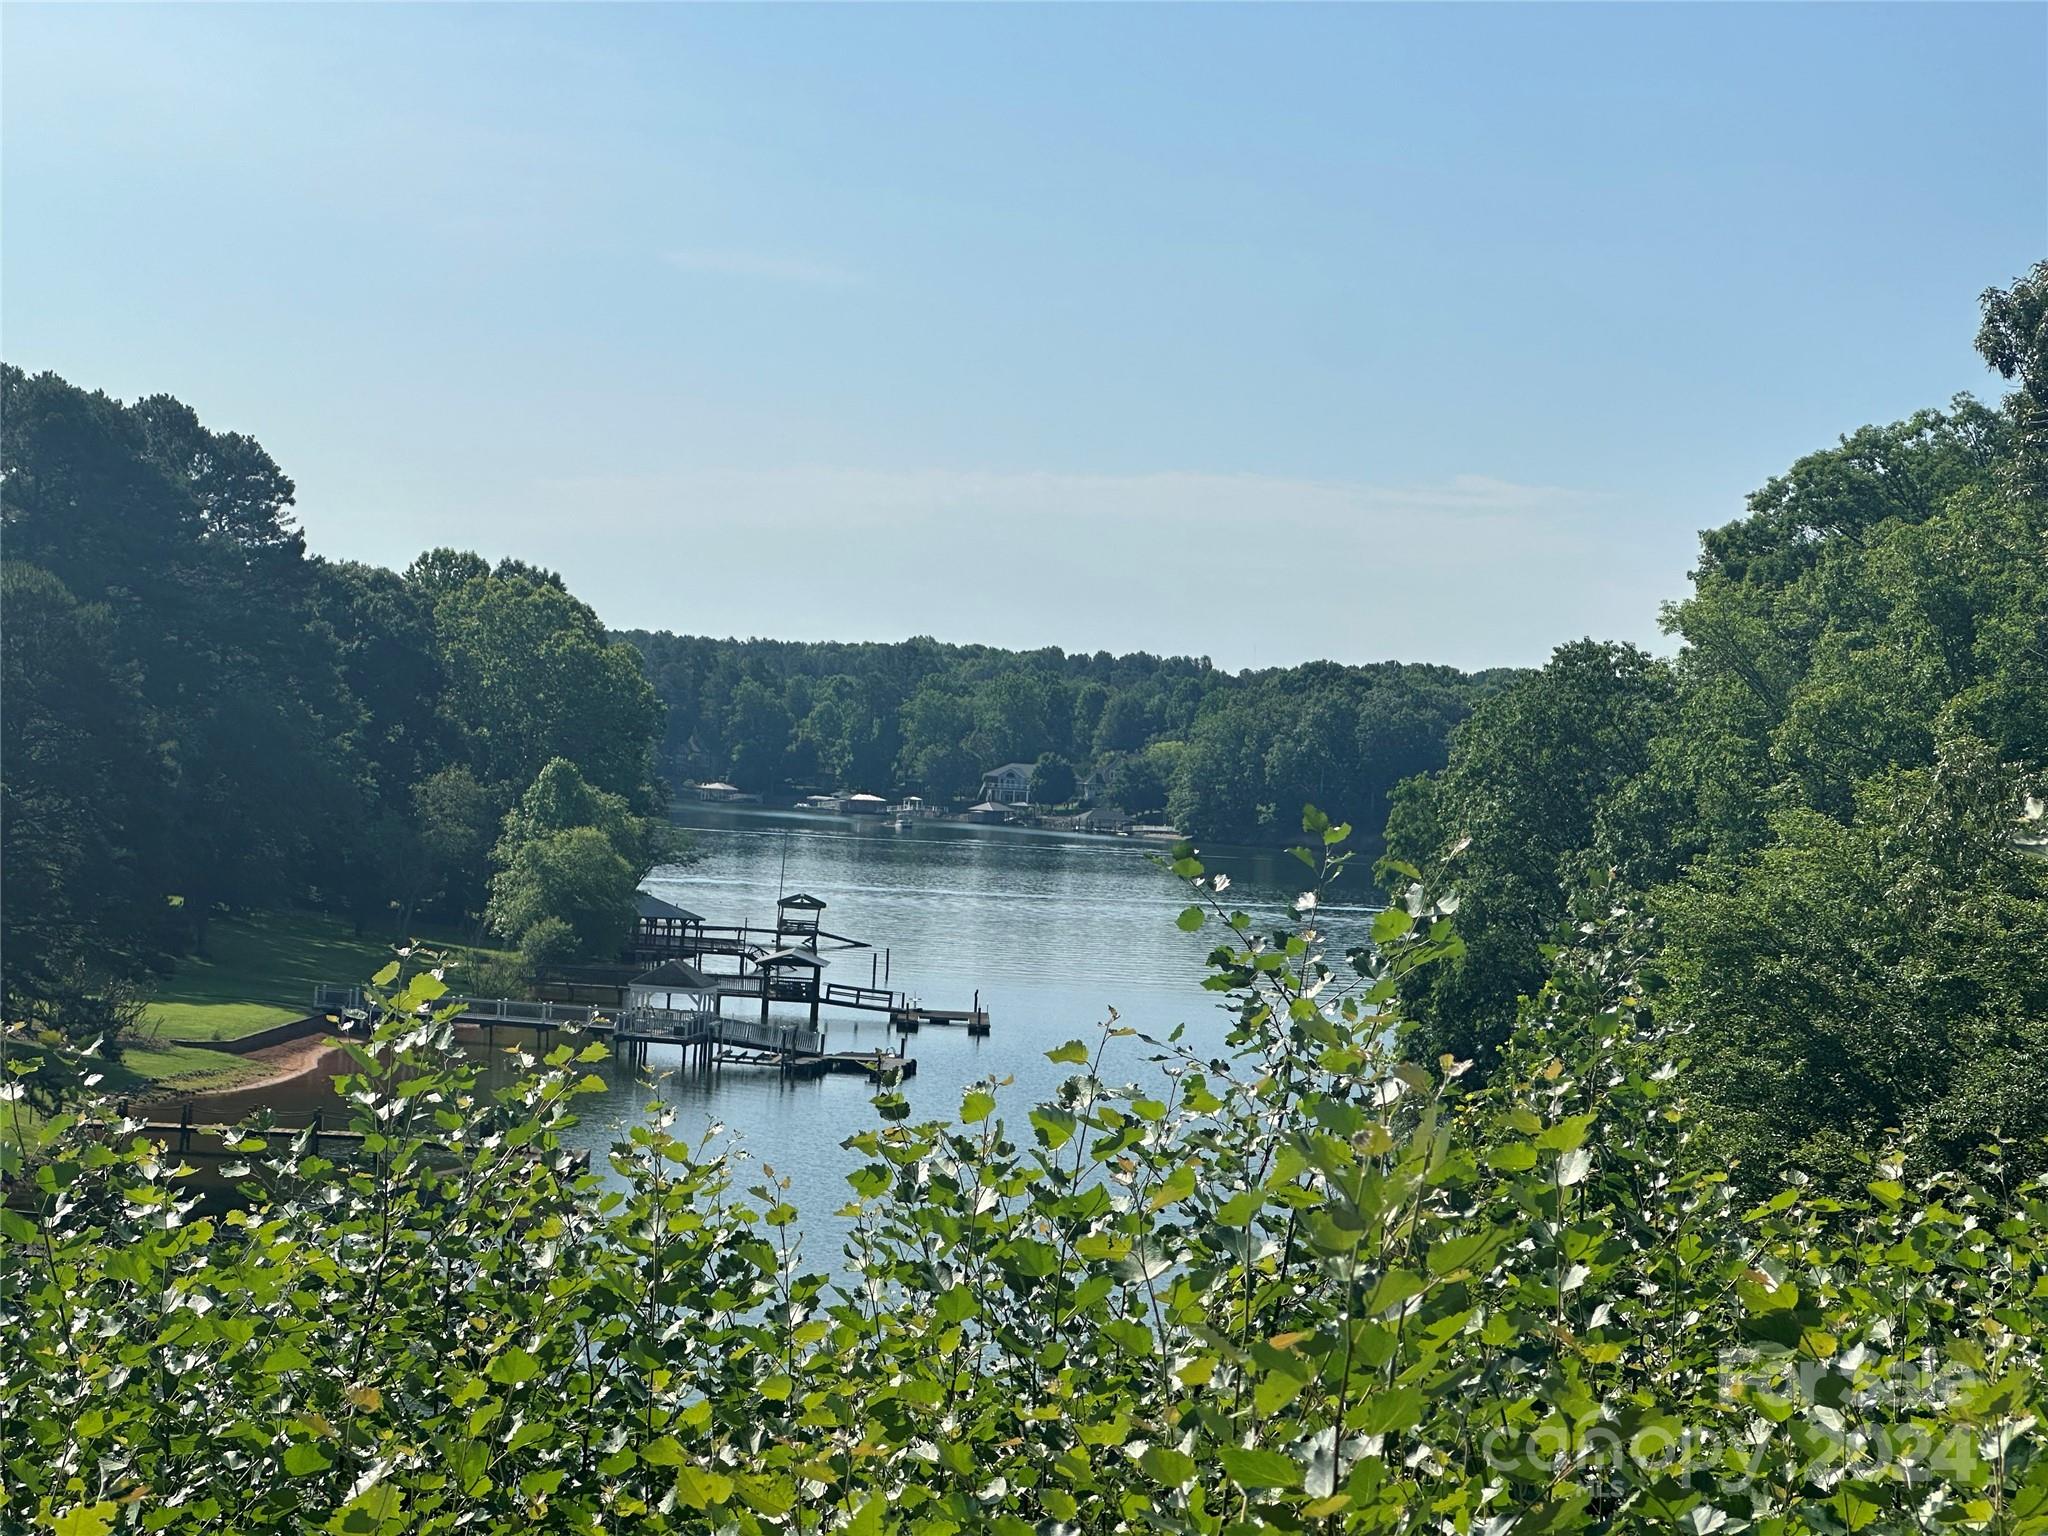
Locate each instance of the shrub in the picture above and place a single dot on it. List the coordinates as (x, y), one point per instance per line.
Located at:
(495, 973)
(549, 941)
(1302, 1283)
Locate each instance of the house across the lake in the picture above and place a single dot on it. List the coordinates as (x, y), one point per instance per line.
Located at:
(1008, 785)
(721, 793)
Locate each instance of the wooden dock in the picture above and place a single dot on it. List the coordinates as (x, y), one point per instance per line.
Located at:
(714, 1037)
(671, 959)
(911, 1019)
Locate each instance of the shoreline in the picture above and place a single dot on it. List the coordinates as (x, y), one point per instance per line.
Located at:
(291, 1063)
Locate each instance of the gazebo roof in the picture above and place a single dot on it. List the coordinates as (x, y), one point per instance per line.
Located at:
(808, 903)
(647, 904)
(675, 975)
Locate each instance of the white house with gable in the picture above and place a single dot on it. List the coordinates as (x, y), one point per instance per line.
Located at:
(1009, 784)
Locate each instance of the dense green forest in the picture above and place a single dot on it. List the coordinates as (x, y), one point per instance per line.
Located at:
(1222, 754)
(1827, 804)
(202, 717)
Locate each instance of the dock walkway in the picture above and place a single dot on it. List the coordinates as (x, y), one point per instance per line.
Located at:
(791, 1048)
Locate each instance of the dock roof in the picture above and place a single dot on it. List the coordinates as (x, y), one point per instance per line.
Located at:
(647, 904)
(675, 975)
(780, 957)
(800, 899)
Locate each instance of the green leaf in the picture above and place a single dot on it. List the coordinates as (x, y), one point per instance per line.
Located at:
(1176, 1186)
(1511, 1157)
(1255, 1469)
(701, 1489)
(1190, 919)
(385, 977)
(1470, 1250)
(1073, 1053)
(1173, 1468)
(663, 1451)
(1055, 1126)
(86, 1520)
(305, 1458)
(867, 1520)
(1391, 925)
(976, 1106)
(514, 1366)
(1241, 1208)
(286, 1357)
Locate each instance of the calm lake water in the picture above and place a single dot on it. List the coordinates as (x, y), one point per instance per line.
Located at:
(1052, 929)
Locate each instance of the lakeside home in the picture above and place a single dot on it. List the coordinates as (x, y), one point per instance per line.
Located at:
(1009, 784)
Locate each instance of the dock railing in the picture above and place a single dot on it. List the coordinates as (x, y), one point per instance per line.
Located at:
(691, 1026)
(513, 1010)
(856, 996)
(789, 1039)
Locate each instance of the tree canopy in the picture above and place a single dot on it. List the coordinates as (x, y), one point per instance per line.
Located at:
(1820, 796)
(202, 717)
(1234, 751)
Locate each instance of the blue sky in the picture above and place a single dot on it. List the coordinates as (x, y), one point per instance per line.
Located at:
(1263, 332)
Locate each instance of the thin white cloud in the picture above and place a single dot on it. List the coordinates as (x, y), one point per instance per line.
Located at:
(1252, 569)
(1255, 570)
(763, 266)
(906, 500)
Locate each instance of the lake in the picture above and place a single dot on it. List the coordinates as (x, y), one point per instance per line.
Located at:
(1053, 930)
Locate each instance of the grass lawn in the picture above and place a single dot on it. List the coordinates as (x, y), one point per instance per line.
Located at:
(261, 971)
(185, 1067)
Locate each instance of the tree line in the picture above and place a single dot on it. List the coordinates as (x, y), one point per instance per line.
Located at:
(1220, 754)
(202, 717)
(1827, 804)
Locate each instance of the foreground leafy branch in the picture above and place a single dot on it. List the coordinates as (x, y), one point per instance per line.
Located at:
(1296, 1284)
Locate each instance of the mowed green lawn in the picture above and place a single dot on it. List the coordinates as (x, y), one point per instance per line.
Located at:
(188, 1068)
(259, 971)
